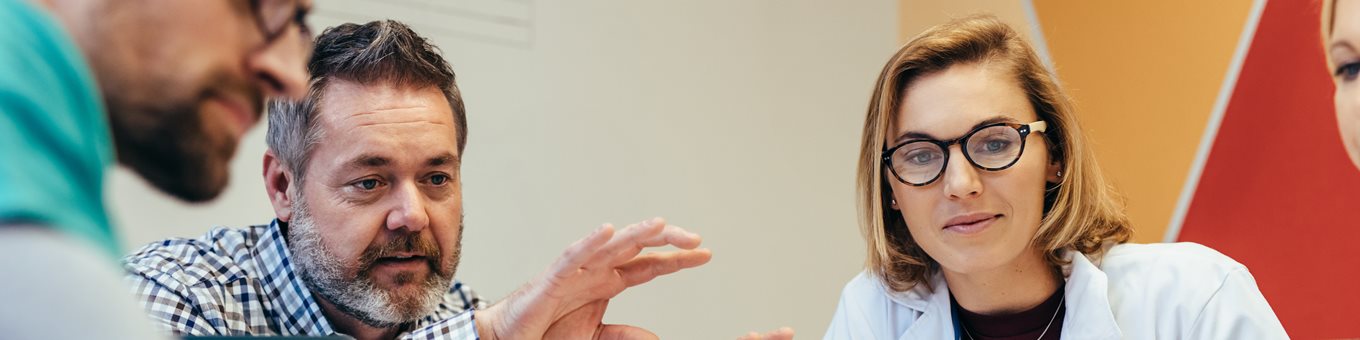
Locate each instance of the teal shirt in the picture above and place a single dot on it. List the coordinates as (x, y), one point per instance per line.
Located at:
(55, 143)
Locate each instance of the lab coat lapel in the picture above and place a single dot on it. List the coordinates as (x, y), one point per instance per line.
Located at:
(936, 321)
(1088, 315)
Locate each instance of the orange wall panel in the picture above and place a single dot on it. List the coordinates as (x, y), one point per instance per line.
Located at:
(1145, 76)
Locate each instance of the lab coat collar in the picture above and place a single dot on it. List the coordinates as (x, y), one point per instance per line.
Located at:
(937, 320)
(1088, 315)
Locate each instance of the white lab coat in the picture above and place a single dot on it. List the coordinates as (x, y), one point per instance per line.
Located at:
(1137, 291)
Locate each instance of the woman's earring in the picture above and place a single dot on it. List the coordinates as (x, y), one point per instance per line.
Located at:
(1059, 173)
(894, 203)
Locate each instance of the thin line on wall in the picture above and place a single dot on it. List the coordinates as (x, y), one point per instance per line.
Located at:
(1037, 34)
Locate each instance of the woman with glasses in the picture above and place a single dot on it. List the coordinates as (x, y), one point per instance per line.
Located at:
(987, 217)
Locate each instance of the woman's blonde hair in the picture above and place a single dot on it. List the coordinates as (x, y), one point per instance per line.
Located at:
(1082, 212)
(1328, 20)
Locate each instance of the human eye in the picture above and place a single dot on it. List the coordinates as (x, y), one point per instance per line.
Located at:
(922, 155)
(367, 184)
(439, 179)
(1348, 71)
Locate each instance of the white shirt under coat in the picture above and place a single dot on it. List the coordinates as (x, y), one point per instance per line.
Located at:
(1137, 291)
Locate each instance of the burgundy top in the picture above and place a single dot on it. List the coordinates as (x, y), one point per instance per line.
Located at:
(1025, 325)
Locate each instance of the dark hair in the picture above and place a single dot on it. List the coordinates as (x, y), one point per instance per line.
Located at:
(378, 52)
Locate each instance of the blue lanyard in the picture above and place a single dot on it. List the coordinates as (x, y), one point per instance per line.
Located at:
(958, 325)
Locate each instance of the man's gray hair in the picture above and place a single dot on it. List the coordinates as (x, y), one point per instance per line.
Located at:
(378, 52)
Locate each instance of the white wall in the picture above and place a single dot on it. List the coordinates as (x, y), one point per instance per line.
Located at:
(738, 120)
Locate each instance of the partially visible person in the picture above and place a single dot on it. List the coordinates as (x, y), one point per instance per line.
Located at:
(987, 217)
(364, 175)
(1341, 41)
(164, 87)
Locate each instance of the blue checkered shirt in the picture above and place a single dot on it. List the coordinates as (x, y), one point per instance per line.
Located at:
(241, 281)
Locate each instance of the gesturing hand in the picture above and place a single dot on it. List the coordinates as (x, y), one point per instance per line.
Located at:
(590, 272)
(585, 323)
(778, 334)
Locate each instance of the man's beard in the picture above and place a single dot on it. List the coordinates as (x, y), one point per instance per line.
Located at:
(168, 142)
(351, 288)
(153, 95)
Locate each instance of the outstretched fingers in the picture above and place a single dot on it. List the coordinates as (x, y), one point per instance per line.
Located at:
(644, 268)
(581, 252)
(633, 239)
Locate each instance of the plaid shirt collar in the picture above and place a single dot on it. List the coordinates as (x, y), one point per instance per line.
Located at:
(300, 313)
